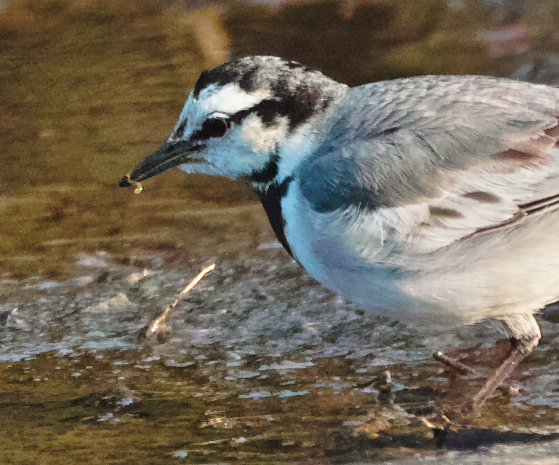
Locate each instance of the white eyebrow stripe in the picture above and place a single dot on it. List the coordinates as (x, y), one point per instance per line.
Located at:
(228, 99)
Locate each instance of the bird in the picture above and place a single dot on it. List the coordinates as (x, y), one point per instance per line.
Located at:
(433, 197)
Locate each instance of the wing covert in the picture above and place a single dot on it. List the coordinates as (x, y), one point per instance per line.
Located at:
(449, 167)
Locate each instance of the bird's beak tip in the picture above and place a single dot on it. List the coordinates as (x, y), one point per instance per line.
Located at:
(167, 156)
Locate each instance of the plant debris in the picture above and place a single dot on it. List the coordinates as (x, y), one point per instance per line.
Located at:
(156, 324)
(125, 182)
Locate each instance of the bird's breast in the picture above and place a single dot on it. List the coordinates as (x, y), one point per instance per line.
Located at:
(320, 243)
(489, 276)
(300, 230)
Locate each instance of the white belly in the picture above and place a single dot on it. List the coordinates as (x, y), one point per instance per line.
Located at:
(513, 270)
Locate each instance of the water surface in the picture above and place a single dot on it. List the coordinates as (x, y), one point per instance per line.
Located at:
(259, 364)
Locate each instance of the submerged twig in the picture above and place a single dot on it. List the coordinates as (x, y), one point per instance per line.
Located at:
(154, 325)
(455, 365)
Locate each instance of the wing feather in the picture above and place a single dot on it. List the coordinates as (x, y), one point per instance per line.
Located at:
(470, 155)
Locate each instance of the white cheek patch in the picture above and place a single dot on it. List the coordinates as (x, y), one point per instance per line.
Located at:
(232, 156)
(228, 99)
(262, 138)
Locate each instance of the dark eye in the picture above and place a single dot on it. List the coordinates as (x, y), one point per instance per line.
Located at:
(214, 127)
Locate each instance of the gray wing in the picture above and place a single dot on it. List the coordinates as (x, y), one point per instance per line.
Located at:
(436, 159)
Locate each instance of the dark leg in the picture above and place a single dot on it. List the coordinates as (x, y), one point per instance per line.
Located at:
(522, 349)
(526, 334)
(526, 331)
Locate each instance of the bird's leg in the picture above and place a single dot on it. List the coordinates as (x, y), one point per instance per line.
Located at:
(526, 335)
(522, 348)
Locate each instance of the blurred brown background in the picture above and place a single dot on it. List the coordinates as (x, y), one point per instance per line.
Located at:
(260, 364)
(88, 87)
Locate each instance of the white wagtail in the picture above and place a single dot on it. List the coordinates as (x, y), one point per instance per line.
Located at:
(429, 196)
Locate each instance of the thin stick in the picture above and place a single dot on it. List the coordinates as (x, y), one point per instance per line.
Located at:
(454, 364)
(154, 326)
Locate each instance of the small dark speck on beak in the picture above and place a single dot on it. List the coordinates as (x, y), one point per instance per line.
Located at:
(125, 181)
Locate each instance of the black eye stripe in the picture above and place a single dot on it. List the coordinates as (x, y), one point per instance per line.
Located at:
(267, 110)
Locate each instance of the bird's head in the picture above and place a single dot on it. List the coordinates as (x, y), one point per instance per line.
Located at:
(253, 117)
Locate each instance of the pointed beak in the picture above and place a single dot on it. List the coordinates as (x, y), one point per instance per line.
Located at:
(165, 157)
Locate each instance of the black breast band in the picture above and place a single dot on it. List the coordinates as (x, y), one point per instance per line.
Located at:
(271, 201)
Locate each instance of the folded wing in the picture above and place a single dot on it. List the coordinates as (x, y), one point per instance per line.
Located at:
(428, 164)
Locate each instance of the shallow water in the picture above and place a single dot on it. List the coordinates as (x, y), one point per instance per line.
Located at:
(258, 364)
